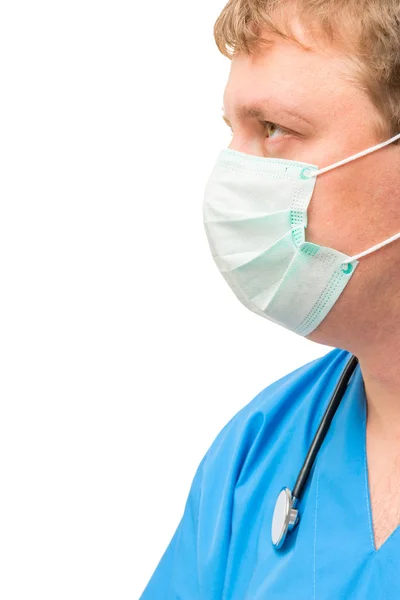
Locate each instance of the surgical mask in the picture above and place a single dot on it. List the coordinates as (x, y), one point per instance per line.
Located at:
(255, 216)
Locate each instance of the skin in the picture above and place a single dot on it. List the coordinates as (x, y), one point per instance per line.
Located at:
(353, 208)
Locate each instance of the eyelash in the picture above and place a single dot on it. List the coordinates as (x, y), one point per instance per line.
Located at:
(265, 124)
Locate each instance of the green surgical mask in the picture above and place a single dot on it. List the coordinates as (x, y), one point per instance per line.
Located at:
(255, 217)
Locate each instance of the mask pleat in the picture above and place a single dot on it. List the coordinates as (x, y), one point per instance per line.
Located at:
(256, 274)
(238, 236)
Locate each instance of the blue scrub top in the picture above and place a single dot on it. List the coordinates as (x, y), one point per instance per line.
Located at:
(222, 547)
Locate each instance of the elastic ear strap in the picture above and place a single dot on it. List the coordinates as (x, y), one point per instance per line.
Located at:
(355, 156)
(377, 247)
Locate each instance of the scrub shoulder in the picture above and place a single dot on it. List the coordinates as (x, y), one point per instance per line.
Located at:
(274, 414)
(241, 466)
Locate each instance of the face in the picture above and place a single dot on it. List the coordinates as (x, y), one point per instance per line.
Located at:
(290, 103)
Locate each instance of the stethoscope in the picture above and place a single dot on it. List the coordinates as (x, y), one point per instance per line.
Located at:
(286, 516)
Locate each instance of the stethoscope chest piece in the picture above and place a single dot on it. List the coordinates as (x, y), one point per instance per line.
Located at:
(285, 517)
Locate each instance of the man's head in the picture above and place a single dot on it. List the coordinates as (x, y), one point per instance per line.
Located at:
(337, 65)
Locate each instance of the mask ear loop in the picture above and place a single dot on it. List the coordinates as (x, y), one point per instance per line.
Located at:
(377, 247)
(344, 162)
(355, 156)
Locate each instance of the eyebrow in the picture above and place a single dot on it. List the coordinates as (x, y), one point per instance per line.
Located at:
(260, 112)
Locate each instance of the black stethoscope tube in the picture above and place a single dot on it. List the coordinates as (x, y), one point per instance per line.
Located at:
(324, 426)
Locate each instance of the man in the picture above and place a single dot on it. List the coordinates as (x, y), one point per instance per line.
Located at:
(310, 244)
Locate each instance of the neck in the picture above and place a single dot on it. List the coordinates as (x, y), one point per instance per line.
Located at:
(381, 374)
(373, 336)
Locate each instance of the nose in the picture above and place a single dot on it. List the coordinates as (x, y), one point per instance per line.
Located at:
(249, 145)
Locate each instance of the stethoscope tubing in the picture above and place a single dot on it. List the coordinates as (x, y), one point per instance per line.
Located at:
(323, 427)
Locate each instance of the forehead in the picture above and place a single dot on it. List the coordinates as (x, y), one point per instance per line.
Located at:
(285, 70)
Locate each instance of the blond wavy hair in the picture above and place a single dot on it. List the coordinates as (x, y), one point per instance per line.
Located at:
(365, 31)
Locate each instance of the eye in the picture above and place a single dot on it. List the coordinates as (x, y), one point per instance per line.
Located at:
(272, 128)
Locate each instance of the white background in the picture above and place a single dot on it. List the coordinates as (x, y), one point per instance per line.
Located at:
(123, 351)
